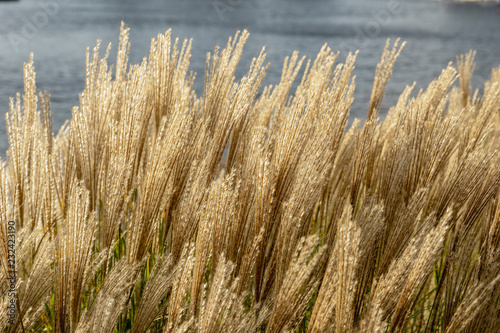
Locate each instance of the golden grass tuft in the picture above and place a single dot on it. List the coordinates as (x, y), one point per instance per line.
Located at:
(133, 219)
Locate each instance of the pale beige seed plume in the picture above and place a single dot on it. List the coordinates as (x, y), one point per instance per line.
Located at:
(122, 151)
(297, 288)
(393, 294)
(111, 299)
(316, 161)
(186, 220)
(182, 282)
(347, 257)
(222, 108)
(168, 67)
(35, 291)
(302, 151)
(212, 238)
(158, 285)
(89, 121)
(157, 185)
(73, 250)
(30, 154)
(370, 220)
(382, 75)
(243, 240)
(399, 232)
(348, 272)
(338, 188)
(247, 91)
(431, 246)
(465, 66)
(322, 317)
(216, 310)
(273, 106)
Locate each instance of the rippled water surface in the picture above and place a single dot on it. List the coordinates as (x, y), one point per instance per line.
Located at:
(58, 33)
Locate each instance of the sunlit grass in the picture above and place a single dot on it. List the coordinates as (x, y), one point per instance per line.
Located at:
(133, 219)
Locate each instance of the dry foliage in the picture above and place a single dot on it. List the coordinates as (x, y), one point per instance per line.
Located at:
(133, 218)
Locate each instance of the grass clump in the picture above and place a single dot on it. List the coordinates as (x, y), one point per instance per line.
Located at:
(131, 219)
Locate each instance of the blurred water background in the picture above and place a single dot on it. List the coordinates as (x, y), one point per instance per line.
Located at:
(58, 32)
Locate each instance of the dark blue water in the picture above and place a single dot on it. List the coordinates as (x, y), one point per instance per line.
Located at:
(58, 33)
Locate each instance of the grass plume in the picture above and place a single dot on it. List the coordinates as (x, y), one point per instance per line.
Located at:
(252, 208)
